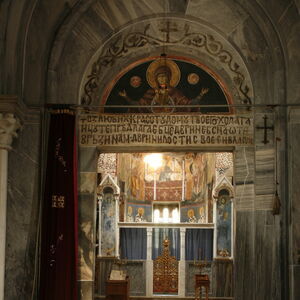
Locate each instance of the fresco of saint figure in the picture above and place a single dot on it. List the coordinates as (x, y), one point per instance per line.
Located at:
(129, 214)
(140, 215)
(202, 218)
(163, 76)
(191, 215)
(137, 177)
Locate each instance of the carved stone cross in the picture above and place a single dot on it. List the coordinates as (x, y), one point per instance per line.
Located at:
(265, 127)
(168, 28)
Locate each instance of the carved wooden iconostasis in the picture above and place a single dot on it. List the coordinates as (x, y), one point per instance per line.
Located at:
(146, 198)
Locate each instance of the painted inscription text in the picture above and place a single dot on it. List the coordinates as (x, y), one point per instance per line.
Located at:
(165, 130)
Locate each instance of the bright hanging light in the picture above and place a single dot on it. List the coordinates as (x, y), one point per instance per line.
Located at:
(154, 160)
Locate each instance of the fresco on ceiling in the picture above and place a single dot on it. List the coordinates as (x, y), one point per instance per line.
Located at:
(168, 82)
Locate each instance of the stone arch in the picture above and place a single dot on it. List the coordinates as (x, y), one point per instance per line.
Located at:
(192, 39)
(79, 42)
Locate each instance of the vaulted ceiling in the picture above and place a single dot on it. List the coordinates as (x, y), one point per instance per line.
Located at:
(67, 52)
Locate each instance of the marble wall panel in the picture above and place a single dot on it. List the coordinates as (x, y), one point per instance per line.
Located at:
(222, 271)
(102, 272)
(87, 159)
(279, 7)
(244, 197)
(244, 270)
(267, 270)
(295, 291)
(91, 30)
(85, 290)
(293, 40)
(294, 253)
(22, 213)
(87, 182)
(117, 13)
(86, 216)
(191, 271)
(295, 191)
(136, 271)
(264, 119)
(244, 165)
(264, 202)
(214, 14)
(72, 63)
(247, 34)
(178, 6)
(264, 171)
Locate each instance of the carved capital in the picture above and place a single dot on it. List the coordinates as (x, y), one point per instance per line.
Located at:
(9, 126)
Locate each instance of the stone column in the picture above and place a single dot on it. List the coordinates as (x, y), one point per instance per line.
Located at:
(9, 124)
(149, 265)
(181, 271)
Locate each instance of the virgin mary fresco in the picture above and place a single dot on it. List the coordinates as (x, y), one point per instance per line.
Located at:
(163, 77)
(169, 83)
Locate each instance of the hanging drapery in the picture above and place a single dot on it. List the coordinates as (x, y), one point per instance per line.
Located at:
(199, 244)
(58, 268)
(133, 243)
(159, 235)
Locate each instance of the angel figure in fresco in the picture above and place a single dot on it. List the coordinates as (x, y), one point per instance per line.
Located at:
(163, 76)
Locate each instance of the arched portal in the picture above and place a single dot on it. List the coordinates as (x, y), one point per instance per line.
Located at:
(185, 39)
(182, 110)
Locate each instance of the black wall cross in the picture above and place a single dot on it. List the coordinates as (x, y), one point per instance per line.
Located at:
(265, 127)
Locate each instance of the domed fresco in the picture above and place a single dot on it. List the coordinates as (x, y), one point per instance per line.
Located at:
(166, 81)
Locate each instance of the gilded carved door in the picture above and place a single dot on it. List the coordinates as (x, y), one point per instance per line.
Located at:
(165, 272)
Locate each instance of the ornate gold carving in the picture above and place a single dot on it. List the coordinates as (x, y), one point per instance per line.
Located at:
(60, 156)
(165, 272)
(58, 201)
(121, 46)
(223, 253)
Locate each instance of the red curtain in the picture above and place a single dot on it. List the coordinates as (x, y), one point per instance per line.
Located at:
(58, 269)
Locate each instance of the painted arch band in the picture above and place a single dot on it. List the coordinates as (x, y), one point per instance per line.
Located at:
(177, 130)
